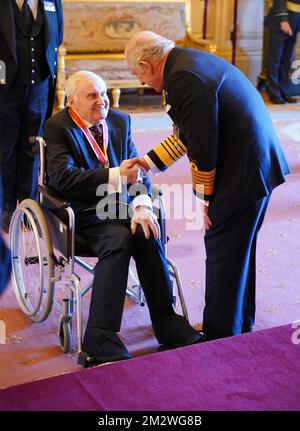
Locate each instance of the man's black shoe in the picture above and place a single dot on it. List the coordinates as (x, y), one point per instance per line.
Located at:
(101, 346)
(289, 99)
(277, 100)
(199, 337)
(175, 331)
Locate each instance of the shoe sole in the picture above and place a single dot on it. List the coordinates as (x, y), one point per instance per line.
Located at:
(193, 340)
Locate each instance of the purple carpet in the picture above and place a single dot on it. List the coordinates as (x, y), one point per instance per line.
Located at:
(257, 371)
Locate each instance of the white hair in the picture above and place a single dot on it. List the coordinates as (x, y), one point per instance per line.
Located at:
(77, 77)
(148, 46)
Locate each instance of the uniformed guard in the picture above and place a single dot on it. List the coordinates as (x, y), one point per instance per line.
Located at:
(283, 21)
(30, 34)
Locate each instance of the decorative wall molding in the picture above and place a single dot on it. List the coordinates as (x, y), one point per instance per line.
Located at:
(219, 25)
(101, 26)
(250, 30)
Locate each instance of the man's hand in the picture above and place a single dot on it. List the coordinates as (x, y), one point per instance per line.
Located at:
(207, 220)
(142, 162)
(131, 171)
(147, 219)
(286, 28)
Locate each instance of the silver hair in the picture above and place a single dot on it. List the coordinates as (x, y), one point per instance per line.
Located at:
(77, 77)
(148, 46)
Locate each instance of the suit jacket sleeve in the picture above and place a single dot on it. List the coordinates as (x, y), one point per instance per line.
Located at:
(196, 106)
(60, 22)
(5, 262)
(280, 11)
(66, 175)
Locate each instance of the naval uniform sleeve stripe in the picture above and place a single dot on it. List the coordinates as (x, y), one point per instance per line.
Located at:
(206, 183)
(177, 151)
(203, 180)
(201, 175)
(163, 155)
(157, 161)
(169, 151)
(179, 142)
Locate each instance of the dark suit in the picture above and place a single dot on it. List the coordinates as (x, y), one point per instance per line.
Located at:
(281, 46)
(26, 99)
(236, 157)
(5, 264)
(74, 172)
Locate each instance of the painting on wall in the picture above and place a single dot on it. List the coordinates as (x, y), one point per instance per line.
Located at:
(121, 29)
(106, 26)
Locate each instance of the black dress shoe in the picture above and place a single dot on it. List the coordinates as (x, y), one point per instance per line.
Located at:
(101, 346)
(175, 331)
(199, 337)
(277, 100)
(289, 99)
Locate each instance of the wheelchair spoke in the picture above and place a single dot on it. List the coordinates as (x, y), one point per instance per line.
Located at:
(30, 272)
(32, 266)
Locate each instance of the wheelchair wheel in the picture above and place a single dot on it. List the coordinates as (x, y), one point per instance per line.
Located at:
(32, 264)
(65, 336)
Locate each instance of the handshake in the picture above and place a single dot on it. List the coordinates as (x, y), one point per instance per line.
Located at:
(134, 170)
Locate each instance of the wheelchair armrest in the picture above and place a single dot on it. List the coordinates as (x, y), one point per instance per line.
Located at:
(55, 200)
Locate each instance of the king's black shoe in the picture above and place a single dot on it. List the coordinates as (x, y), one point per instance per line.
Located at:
(175, 331)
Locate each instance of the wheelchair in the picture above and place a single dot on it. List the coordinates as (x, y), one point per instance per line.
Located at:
(44, 247)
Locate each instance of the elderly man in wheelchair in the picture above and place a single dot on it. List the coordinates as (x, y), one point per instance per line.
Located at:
(88, 156)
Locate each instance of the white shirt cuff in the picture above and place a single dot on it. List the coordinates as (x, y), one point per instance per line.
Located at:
(205, 203)
(154, 169)
(114, 180)
(142, 200)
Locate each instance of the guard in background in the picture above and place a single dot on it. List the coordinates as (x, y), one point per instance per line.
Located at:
(283, 21)
(30, 34)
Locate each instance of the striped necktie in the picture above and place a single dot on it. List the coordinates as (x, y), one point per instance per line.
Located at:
(97, 132)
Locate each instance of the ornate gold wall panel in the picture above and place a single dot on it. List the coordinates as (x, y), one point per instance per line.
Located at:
(96, 32)
(102, 26)
(250, 30)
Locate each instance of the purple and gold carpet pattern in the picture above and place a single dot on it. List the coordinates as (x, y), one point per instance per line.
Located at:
(32, 351)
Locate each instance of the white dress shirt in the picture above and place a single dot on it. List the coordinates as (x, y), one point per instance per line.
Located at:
(114, 180)
(33, 6)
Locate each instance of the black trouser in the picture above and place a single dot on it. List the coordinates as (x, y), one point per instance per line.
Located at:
(114, 245)
(280, 56)
(23, 110)
(231, 270)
